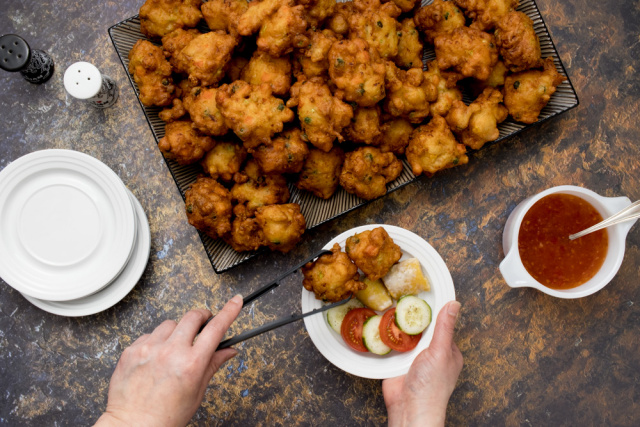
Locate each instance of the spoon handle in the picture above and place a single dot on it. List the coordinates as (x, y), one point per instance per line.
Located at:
(626, 214)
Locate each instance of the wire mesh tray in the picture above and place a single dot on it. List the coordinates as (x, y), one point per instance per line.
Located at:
(315, 210)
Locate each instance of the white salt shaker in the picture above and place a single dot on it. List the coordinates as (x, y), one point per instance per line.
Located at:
(84, 81)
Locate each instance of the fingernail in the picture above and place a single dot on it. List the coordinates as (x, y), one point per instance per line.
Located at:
(453, 308)
(237, 299)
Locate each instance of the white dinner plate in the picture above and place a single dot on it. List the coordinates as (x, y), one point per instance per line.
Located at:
(368, 365)
(119, 288)
(66, 225)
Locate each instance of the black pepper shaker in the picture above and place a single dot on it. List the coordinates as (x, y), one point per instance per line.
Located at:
(34, 65)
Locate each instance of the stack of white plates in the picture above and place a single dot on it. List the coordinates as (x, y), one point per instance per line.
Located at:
(73, 240)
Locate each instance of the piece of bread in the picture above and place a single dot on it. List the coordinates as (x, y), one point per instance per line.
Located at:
(406, 278)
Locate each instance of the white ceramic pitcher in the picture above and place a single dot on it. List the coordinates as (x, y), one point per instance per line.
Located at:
(517, 276)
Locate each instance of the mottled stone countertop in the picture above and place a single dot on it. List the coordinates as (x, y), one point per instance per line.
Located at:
(530, 359)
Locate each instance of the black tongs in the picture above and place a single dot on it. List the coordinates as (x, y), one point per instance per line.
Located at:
(280, 322)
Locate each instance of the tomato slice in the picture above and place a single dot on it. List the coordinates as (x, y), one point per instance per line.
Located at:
(394, 337)
(351, 329)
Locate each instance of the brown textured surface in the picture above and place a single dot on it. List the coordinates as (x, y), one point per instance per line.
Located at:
(530, 359)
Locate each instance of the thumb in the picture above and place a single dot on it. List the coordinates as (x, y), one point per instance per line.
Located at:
(445, 324)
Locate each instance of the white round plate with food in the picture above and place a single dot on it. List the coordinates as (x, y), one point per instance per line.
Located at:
(368, 365)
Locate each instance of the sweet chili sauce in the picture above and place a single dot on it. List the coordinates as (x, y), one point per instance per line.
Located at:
(545, 249)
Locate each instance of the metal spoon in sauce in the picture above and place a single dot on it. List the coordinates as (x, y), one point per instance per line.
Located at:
(627, 214)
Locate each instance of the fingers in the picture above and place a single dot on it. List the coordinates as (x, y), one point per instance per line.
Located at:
(220, 358)
(189, 325)
(212, 334)
(162, 332)
(445, 324)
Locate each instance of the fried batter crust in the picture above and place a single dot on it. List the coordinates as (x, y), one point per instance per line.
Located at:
(224, 14)
(376, 25)
(152, 73)
(439, 17)
(410, 48)
(471, 52)
(253, 189)
(252, 112)
(409, 92)
(264, 68)
(174, 42)
(282, 225)
(367, 171)
(332, 277)
(517, 42)
(206, 56)
(208, 207)
(322, 115)
(321, 171)
(160, 17)
(373, 251)
(395, 136)
(224, 160)
(477, 123)
(447, 93)
(286, 153)
(486, 13)
(183, 143)
(365, 126)
(357, 71)
(432, 147)
(203, 110)
(528, 92)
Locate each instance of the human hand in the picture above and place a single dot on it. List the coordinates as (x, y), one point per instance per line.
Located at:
(421, 396)
(161, 378)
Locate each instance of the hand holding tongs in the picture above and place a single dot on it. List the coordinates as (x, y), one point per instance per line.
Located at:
(280, 322)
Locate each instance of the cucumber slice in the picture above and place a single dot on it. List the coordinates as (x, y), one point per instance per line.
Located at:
(335, 315)
(413, 315)
(371, 336)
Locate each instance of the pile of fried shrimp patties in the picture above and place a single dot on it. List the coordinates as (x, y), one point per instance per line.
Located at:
(326, 95)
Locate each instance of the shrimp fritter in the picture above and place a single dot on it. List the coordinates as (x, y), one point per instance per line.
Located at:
(316, 11)
(322, 115)
(439, 17)
(432, 147)
(252, 112)
(410, 48)
(160, 17)
(478, 123)
(395, 136)
(527, 93)
(373, 251)
(183, 143)
(518, 42)
(173, 113)
(312, 61)
(365, 126)
(174, 42)
(281, 25)
(253, 189)
(367, 171)
(409, 92)
(470, 52)
(321, 172)
(208, 206)
(246, 234)
(203, 110)
(282, 225)
(447, 93)
(224, 14)
(357, 71)
(338, 22)
(377, 25)
(264, 68)
(332, 277)
(206, 56)
(486, 13)
(152, 73)
(286, 153)
(224, 160)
